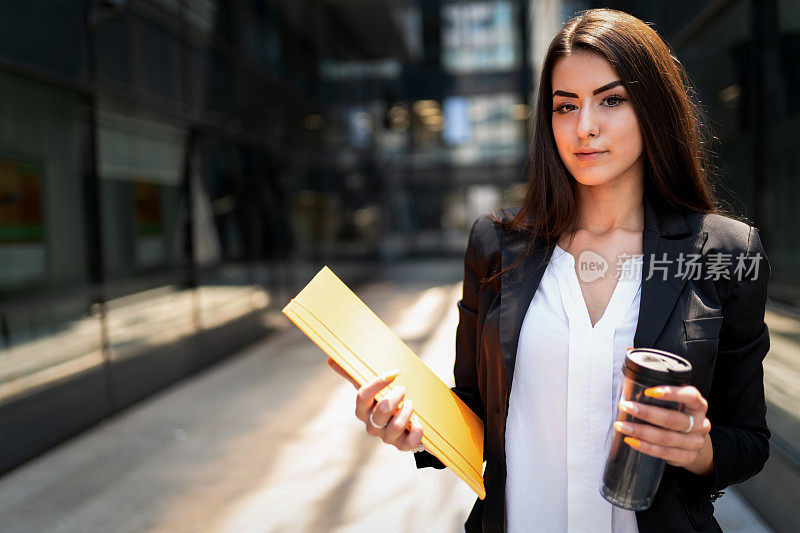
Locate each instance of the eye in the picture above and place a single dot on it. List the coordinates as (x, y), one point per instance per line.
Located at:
(561, 108)
(614, 100)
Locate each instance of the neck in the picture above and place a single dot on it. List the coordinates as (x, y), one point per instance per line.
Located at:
(610, 206)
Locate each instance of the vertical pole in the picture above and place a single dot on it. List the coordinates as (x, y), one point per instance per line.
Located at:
(431, 36)
(526, 71)
(93, 203)
(188, 185)
(526, 76)
(190, 257)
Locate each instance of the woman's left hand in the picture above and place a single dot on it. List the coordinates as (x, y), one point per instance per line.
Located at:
(668, 438)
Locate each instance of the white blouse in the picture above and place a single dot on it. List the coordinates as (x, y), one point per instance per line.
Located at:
(567, 380)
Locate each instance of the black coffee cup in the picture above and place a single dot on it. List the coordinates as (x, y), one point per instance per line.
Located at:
(631, 478)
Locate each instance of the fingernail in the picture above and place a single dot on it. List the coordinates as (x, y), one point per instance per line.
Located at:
(633, 443)
(399, 390)
(628, 407)
(654, 393)
(622, 427)
(389, 376)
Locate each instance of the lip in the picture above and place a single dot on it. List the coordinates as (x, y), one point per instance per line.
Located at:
(591, 156)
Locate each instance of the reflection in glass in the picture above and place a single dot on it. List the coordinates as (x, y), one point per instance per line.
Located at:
(479, 37)
(47, 343)
(228, 294)
(148, 319)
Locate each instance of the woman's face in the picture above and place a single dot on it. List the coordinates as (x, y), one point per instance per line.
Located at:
(604, 123)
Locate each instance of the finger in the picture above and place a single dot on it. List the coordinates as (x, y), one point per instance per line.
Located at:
(382, 413)
(675, 456)
(413, 437)
(365, 398)
(373, 431)
(341, 371)
(666, 418)
(661, 437)
(688, 396)
(397, 424)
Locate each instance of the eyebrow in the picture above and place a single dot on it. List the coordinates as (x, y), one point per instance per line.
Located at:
(599, 90)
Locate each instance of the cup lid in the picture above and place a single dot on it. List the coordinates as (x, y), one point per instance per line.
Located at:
(657, 365)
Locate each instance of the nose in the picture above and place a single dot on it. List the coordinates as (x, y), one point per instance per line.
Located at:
(588, 124)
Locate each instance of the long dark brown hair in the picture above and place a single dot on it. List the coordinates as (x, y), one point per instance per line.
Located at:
(673, 127)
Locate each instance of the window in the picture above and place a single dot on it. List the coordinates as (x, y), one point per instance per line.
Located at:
(480, 37)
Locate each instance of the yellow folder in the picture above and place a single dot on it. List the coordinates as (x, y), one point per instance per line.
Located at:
(353, 336)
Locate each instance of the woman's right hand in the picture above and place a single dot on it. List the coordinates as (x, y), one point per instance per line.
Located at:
(399, 427)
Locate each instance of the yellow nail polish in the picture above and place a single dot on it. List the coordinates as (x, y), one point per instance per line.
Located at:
(654, 393)
(633, 443)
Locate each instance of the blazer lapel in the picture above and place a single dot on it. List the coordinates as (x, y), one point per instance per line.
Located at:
(665, 237)
(517, 289)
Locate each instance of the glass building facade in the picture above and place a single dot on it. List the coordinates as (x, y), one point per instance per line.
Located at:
(162, 189)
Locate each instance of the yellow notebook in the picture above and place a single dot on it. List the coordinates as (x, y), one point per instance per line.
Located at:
(353, 336)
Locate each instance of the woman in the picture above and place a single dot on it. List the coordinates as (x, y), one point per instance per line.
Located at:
(617, 178)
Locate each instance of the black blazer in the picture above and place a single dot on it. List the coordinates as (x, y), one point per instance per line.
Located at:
(718, 325)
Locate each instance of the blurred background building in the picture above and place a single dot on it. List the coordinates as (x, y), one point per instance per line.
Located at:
(172, 170)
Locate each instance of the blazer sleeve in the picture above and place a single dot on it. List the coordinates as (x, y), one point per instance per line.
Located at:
(465, 367)
(737, 408)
